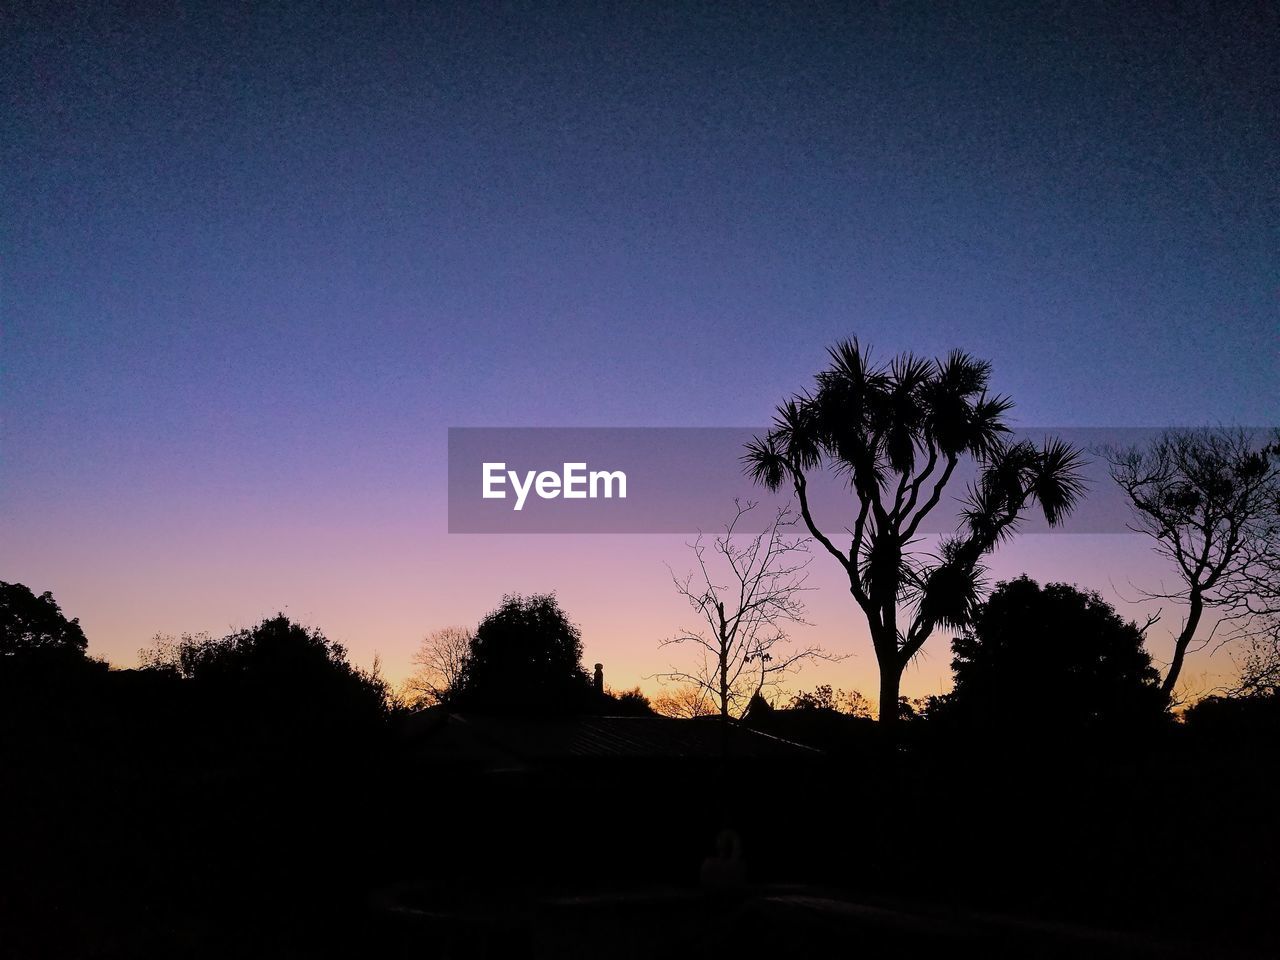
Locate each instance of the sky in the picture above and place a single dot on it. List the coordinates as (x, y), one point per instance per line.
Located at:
(258, 258)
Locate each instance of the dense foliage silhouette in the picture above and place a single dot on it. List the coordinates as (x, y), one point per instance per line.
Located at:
(277, 678)
(34, 626)
(526, 656)
(628, 703)
(1252, 720)
(1051, 658)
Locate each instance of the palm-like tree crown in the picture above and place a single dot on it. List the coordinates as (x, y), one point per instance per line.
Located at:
(896, 432)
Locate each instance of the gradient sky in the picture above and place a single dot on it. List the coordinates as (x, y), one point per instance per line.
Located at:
(258, 257)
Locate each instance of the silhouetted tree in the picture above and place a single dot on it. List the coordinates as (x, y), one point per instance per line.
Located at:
(745, 591)
(440, 661)
(853, 703)
(1038, 658)
(1239, 723)
(175, 655)
(685, 701)
(823, 697)
(914, 708)
(627, 703)
(526, 656)
(278, 673)
(1210, 499)
(32, 626)
(1258, 663)
(896, 434)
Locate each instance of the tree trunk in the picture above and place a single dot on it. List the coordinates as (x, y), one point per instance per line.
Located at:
(1183, 641)
(724, 687)
(890, 683)
(724, 701)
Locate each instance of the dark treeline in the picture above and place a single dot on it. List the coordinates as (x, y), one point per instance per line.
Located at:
(256, 794)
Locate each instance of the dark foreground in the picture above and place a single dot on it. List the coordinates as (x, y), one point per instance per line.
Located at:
(158, 832)
(777, 920)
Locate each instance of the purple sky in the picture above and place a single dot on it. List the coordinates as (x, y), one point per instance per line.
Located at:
(256, 261)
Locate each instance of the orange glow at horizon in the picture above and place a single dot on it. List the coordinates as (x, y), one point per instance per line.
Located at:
(378, 588)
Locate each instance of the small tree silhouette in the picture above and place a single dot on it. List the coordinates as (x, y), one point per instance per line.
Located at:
(685, 702)
(1258, 665)
(440, 662)
(746, 591)
(526, 656)
(823, 697)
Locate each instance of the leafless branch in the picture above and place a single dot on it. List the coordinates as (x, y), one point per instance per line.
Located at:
(1210, 502)
(746, 591)
(439, 661)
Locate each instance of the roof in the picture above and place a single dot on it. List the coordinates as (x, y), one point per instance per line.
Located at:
(534, 739)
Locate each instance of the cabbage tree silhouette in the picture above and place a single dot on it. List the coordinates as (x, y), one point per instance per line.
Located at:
(526, 656)
(896, 433)
(1051, 658)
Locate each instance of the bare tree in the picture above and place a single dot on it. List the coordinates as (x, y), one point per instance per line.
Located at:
(1257, 634)
(440, 661)
(1210, 499)
(685, 702)
(853, 703)
(1258, 663)
(746, 592)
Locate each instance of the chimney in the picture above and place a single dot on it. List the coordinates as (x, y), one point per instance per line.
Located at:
(600, 678)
